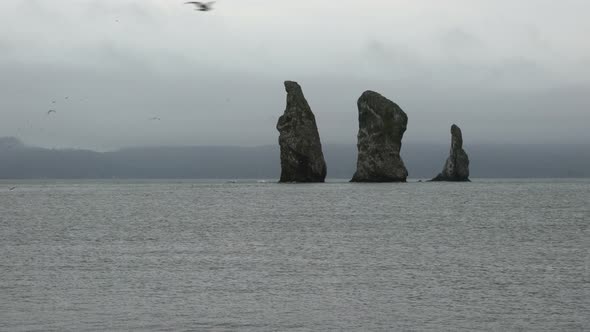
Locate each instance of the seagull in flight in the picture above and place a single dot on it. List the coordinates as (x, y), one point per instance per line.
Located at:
(51, 111)
(202, 6)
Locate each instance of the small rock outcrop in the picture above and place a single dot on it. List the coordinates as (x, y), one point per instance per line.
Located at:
(302, 159)
(457, 165)
(382, 125)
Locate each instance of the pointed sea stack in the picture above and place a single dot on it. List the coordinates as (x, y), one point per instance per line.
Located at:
(302, 159)
(457, 165)
(382, 125)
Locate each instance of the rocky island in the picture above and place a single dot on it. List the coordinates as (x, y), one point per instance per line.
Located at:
(457, 165)
(382, 125)
(302, 159)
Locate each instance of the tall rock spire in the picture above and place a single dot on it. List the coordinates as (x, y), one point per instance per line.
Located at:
(302, 159)
(382, 125)
(457, 165)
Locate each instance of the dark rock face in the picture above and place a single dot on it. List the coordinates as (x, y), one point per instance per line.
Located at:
(382, 125)
(302, 159)
(457, 165)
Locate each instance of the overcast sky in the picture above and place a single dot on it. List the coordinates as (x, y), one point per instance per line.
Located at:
(505, 71)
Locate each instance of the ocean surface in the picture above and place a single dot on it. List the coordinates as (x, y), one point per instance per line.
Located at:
(491, 255)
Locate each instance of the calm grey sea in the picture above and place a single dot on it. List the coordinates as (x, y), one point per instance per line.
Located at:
(187, 256)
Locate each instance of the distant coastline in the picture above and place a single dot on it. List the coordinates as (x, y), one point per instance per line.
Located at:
(18, 161)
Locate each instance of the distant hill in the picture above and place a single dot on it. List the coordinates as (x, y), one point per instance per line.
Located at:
(10, 143)
(18, 161)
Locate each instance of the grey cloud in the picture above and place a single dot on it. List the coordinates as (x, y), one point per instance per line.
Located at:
(217, 79)
(459, 40)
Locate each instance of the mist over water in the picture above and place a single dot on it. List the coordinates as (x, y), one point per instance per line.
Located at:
(177, 255)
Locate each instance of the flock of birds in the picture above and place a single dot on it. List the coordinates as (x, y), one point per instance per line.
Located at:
(54, 111)
(199, 6)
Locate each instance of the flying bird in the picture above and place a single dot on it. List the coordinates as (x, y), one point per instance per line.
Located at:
(51, 111)
(202, 6)
(12, 188)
